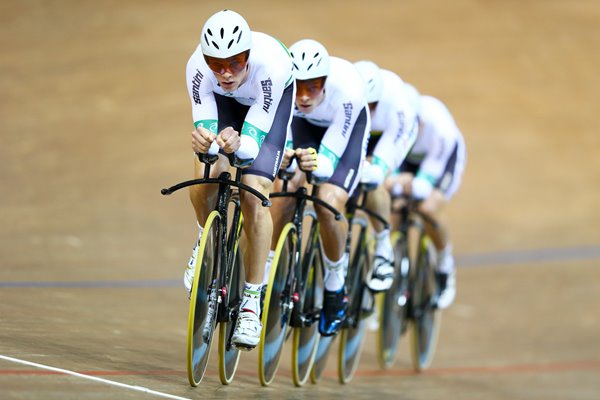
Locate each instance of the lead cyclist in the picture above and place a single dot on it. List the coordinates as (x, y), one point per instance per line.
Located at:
(242, 91)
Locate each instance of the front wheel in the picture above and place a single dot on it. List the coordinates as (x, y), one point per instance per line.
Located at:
(426, 317)
(202, 316)
(393, 307)
(229, 355)
(277, 310)
(306, 338)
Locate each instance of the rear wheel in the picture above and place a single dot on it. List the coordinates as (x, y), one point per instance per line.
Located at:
(201, 320)
(277, 310)
(392, 311)
(426, 317)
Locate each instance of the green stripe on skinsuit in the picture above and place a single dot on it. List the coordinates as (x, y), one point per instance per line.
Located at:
(210, 124)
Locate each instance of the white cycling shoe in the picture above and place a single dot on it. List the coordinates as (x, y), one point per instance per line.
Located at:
(447, 284)
(382, 276)
(247, 330)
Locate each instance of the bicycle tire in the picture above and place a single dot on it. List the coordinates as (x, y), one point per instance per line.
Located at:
(277, 310)
(353, 331)
(305, 339)
(205, 284)
(393, 318)
(321, 356)
(426, 317)
(229, 356)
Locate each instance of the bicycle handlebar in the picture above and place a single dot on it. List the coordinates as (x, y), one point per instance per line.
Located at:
(210, 159)
(315, 200)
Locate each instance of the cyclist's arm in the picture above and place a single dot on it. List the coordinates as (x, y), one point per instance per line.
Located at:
(336, 137)
(262, 113)
(199, 85)
(395, 143)
(432, 167)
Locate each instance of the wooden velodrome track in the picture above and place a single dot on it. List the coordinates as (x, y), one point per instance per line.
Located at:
(95, 119)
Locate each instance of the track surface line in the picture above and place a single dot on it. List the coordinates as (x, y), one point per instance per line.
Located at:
(92, 378)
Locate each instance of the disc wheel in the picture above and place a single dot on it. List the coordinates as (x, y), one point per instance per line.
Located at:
(393, 308)
(229, 355)
(426, 317)
(203, 297)
(276, 309)
(320, 363)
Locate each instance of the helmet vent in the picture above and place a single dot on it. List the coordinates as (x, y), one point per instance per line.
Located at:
(309, 67)
(303, 55)
(222, 33)
(295, 66)
(235, 29)
(230, 43)
(209, 32)
(216, 45)
(239, 36)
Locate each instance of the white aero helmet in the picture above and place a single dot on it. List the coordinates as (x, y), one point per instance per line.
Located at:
(225, 34)
(414, 97)
(371, 74)
(311, 59)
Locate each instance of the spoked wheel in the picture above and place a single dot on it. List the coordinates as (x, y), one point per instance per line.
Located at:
(203, 301)
(354, 328)
(426, 317)
(229, 355)
(277, 307)
(306, 338)
(323, 349)
(392, 313)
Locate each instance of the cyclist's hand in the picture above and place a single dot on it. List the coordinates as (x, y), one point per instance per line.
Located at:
(307, 158)
(202, 138)
(287, 157)
(229, 140)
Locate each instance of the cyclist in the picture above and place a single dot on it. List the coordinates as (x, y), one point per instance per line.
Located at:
(432, 171)
(242, 91)
(331, 115)
(393, 132)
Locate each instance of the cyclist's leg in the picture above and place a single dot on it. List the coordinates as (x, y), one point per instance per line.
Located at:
(446, 273)
(333, 236)
(203, 199)
(382, 277)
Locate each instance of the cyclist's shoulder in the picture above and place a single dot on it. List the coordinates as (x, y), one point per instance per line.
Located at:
(344, 83)
(269, 57)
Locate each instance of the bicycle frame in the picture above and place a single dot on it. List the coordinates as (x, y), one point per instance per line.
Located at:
(298, 274)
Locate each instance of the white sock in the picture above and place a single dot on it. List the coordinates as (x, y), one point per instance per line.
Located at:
(200, 230)
(268, 267)
(251, 299)
(335, 273)
(446, 260)
(383, 245)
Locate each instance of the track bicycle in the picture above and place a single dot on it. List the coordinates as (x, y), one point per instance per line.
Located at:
(294, 294)
(218, 284)
(410, 304)
(360, 298)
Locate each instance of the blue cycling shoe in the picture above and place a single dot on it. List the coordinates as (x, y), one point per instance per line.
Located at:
(333, 313)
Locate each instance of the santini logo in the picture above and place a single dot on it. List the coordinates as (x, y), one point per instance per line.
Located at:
(266, 88)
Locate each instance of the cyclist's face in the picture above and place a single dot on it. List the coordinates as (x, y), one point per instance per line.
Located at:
(309, 93)
(230, 72)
